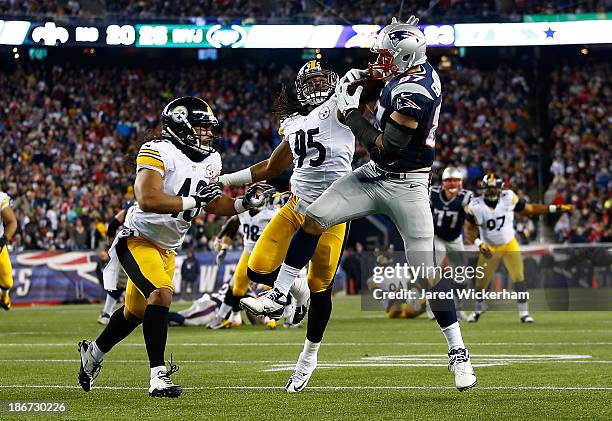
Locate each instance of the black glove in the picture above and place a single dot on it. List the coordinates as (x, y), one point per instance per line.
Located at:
(3, 242)
(208, 194)
(257, 195)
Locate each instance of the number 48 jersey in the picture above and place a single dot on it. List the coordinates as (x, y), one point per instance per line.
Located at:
(322, 149)
(496, 226)
(181, 177)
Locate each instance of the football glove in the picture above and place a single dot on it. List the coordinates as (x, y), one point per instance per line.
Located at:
(208, 194)
(345, 101)
(412, 20)
(566, 208)
(221, 256)
(483, 248)
(3, 242)
(353, 75)
(257, 195)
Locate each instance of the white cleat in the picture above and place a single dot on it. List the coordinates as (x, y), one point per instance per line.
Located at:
(301, 374)
(161, 386)
(104, 318)
(218, 322)
(271, 304)
(460, 364)
(527, 319)
(90, 368)
(474, 316)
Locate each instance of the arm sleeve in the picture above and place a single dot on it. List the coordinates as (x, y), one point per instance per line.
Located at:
(520, 205)
(5, 201)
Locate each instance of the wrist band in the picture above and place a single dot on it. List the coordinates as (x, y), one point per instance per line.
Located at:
(478, 242)
(552, 208)
(188, 202)
(238, 178)
(238, 206)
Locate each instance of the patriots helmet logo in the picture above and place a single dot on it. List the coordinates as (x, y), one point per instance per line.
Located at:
(397, 36)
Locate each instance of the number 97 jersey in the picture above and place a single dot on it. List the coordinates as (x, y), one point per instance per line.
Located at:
(322, 149)
(496, 226)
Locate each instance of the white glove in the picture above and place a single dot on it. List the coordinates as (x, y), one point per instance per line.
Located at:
(412, 20)
(345, 101)
(353, 75)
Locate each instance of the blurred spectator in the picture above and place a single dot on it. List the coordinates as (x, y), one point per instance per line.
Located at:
(190, 274)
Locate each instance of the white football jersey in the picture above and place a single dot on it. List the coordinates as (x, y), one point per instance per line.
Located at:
(5, 201)
(252, 226)
(322, 149)
(496, 226)
(182, 177)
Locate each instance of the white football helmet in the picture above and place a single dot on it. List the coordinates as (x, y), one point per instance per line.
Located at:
(452, 179)
(399, 46)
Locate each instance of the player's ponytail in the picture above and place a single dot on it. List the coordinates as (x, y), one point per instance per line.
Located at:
(284, 106)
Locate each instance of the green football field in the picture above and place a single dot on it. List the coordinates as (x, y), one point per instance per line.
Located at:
(369, 368)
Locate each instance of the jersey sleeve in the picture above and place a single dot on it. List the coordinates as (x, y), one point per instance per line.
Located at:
(5, 201)
(151, 157)
(467, 198)
(411, 99)
(284, 125)
(217, 165)
(510, 198)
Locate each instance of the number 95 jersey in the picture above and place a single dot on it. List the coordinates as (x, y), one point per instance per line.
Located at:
(181, 177)
(322, 149)
(496, 226)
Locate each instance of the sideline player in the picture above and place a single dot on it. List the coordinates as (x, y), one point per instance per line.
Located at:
(175, 180)
(321, 146)
(8, 226)
(493, 214)
(113, 296)
(394, 183)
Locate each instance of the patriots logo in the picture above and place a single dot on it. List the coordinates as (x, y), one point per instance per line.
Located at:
(403, 101)
(397, 36)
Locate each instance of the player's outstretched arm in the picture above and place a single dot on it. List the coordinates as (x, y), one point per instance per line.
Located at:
(278, 162)
(149, 192)
(255, 196)
(525, 208)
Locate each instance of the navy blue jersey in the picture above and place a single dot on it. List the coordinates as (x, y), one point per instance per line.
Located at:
(417, 95)
(448, 214)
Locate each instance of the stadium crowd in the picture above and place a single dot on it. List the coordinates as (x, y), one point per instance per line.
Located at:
(306, 11)
(69, 136)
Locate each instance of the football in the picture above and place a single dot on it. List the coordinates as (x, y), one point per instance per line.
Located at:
(371, 88)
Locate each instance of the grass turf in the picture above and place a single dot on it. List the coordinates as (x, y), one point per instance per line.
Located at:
(370, 368)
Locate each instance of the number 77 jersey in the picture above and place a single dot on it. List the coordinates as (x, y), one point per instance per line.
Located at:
(496, 225)
(322, 149)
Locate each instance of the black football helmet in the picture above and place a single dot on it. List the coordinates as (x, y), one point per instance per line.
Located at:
(185, 122)
(492, 185)
(315, 92)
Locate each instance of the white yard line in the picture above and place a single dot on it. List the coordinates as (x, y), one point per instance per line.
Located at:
(325, 344)
(322, 388)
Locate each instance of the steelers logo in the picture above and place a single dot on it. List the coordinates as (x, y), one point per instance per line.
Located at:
(179, 114)
(324, 113)
(209, 171)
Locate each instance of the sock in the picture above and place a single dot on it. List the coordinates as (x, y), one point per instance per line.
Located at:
(224, 310)
(156, 370)
(453, 337)
(319, 313)
(479, 306)
(109, 304)
(96, 353)
(118, 328)
(300, 251)
(443, 308)
(523, 309)
(523, 305)
(155, 330)
(310, 349)
(300, 291)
